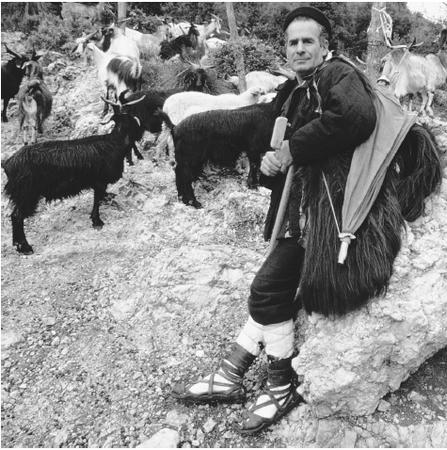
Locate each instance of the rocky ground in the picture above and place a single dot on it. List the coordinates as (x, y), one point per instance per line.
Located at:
(97, 325)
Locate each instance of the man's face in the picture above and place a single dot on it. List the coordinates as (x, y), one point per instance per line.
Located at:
(303, 48)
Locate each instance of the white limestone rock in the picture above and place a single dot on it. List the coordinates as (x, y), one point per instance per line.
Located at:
(165, 438)
(347, 365)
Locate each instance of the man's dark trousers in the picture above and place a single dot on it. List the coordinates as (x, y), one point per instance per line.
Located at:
(273, 291)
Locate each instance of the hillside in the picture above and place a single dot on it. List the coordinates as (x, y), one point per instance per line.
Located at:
(97, 325)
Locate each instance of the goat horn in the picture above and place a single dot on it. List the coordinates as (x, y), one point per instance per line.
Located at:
(110, 102)
(360, 61)
(133, 102)
(123, 20)
(89, 36)
(8, 50)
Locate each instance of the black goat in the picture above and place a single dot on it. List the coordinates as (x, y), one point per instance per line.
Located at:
(220, 137)
(12, 74)
(61, 169)
(184, 45)
(149, 110)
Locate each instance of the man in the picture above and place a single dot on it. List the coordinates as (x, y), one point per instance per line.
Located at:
(330, 111)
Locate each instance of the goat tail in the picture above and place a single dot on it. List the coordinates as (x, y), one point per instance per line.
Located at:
(419, 169)
(165, 119)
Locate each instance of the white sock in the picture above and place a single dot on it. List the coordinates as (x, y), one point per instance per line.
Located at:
(278, 339)
(270, 410)
(251, 336)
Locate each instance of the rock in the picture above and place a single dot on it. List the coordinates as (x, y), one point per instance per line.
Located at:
(209, 425)
(175, 419)
(165, 438)
(349, 439)
(9, 338)
(348, 364)
(49, 321)
(383, 406)
(416, 397)
(438, 435)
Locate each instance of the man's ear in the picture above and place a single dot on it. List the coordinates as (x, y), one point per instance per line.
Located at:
(325, 45)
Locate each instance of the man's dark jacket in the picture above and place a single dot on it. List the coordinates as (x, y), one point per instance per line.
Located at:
(332, 113)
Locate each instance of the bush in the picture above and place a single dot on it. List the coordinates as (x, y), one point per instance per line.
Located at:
(52, 33)
(257, 56)
(139, 21)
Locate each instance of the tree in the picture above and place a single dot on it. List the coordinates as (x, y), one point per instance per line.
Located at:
(240, 68)
(122, 12)
(376, 41)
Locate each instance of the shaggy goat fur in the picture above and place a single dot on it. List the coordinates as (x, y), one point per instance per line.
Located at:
(220, 137)
(12, 74)
(330, 288)
(61, 169)
(419, 169)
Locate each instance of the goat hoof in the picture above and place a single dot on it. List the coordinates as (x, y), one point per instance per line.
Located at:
(98, 224)
(196, 204)
(109, 196)
(24, 249)
(131, 163)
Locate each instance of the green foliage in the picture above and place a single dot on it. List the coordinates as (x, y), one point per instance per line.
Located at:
(142, 22)
(52, 33)
(257, 56)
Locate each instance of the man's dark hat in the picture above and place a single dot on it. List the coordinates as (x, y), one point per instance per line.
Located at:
(312, 13)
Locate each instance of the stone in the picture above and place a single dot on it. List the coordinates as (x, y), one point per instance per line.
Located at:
(416, 397)
(383, 406)
(348, 364)
(165, 438)
(175, 419)
(349, 439)
(209, 425)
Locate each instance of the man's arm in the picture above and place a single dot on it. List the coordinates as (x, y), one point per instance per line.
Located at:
(348, 118)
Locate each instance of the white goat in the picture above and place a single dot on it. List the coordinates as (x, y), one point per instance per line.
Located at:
(116, 73)
(149, 44)
(214, 43)
(410, 74)
(181, 105)
(205, 30)
(266, 80)
(117, 43)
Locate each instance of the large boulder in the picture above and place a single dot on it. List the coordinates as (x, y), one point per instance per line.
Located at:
(348, 364)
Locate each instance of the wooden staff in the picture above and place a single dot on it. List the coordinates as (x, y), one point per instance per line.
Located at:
(279, 131)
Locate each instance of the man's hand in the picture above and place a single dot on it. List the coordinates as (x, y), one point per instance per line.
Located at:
(270, 164)
(284, 156)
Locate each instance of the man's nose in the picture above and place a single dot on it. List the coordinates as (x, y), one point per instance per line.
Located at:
(300, 47)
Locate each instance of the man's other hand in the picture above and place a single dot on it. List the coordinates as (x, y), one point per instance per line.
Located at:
(270, 165)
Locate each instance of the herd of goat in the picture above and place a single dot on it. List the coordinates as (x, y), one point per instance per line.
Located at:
(194, 126)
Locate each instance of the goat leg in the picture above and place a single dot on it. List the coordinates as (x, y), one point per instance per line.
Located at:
(185, 191)
(137, 152)
(129, 157)
(18, 233)
(99, 193)
(5, 105)
(252, 180)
